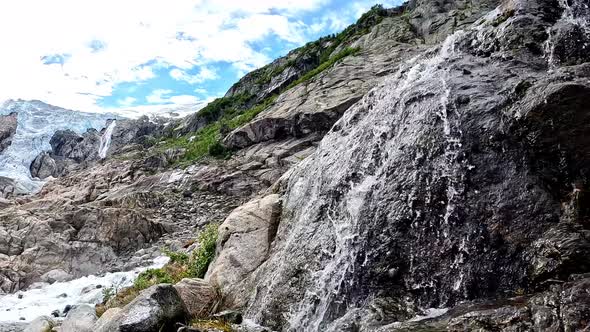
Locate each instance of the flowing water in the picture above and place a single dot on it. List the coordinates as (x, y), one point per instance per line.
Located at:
(332, 280)
(105, 140)
(30, 304)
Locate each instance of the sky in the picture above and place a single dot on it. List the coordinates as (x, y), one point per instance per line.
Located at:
(147, 56)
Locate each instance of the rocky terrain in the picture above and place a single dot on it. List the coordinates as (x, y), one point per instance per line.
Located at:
(8, 126)
(424, 170)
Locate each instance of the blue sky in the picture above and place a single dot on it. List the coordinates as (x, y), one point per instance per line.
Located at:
(150, 56)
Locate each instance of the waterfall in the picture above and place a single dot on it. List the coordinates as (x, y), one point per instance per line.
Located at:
(344, 218)
(105, 140)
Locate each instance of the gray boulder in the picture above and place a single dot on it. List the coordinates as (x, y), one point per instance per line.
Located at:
(43, 166)
(243, 245)
(198, 296)
(40, 324)
(79, 319)
(56, 275)
(156, 309)
(8, 124)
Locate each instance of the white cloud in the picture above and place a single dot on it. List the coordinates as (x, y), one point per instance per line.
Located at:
(126, 102)
(158, 96)
(204, 74)
(164, 96)
(108, 42)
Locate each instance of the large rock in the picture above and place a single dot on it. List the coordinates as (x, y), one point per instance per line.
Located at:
(565, 307)
(102, 323)
(453, 180)
(156, 309)
(198, 295)
(80, 319)
(242, 246)
(40, 324)
(44, 166)
(8, 124)
(57, 275)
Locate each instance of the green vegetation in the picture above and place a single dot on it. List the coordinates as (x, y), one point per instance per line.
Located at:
(207, 141)
(325, 65)
(181, 266)
(221, 116)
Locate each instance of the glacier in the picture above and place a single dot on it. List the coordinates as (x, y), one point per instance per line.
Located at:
(37, 122)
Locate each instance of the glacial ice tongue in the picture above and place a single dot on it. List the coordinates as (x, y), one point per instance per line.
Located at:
(37, 122)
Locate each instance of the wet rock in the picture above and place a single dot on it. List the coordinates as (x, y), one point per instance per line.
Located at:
(157, 308)
(242, 246)
(8, 124)
(229, 316)
(198, 296)
(79, 319)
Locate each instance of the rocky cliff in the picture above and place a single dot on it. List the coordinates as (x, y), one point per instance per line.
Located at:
(8, 124)
(424, 170)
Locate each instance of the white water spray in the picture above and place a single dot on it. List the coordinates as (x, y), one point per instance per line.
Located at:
(105, 140)
(576, 13)
(33, 303)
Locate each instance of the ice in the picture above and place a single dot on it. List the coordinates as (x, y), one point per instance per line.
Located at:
(37, 122)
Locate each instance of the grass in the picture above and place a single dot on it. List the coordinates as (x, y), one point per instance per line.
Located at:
(207, 141)
(181, 265)
(325, 65)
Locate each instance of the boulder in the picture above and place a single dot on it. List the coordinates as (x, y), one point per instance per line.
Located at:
(198, 296)
(243, 245)
(43, 166)
(56, 275)
(156, 309)
(40, 324)
(102, 323)
(79, 319)
(8, 124)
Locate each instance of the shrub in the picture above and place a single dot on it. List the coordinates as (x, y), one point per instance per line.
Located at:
(205, 253)
(181, 266)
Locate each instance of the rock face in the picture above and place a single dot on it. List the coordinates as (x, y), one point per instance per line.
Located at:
(155, 309)
(8, 124)
(243, 245)
(462, 176)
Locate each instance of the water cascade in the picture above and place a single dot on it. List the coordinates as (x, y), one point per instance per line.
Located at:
(105, 140)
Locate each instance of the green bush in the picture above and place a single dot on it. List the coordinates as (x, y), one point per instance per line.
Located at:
(203, 256)
(181, 266)
(207, 141)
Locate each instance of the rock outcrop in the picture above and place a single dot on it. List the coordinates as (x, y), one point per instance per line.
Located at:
(243, 245)
(8, 124)
(155, 309)
(460, 177)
